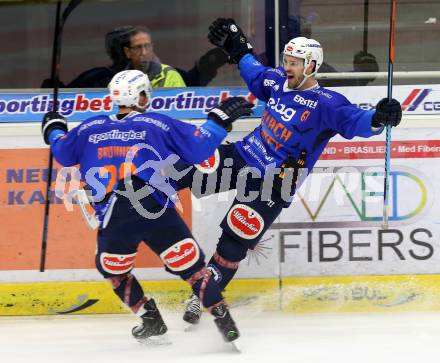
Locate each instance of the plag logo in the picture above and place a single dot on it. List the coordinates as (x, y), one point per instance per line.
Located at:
(286, 113)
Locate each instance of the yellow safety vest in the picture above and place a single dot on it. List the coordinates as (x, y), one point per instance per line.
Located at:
(168, 77)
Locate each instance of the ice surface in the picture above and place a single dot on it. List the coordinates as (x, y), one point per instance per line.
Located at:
(266, 337)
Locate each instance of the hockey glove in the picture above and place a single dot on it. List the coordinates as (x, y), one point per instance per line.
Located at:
(289, 165)
(387, 113)
(230, 110)
(51, 121)
(227, 35)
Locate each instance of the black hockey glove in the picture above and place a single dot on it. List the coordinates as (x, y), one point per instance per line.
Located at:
(227, 35)
(51, 121)
(289, 165)
(230, 110)
(387, 113)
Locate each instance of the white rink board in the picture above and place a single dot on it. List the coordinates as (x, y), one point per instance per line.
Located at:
(320, 245)
(417, 257)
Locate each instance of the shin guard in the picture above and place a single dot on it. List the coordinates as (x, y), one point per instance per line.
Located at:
(205, 287)
(130, 292)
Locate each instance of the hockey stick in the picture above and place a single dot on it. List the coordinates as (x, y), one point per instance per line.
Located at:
(386, 207)
(60, 20)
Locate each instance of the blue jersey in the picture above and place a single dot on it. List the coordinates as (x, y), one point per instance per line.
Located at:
(106, 149)
(296, 121)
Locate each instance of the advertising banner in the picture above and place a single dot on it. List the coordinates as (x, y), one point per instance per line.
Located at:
(193, 103)
(181, 103)
(332, 228)
(70, 244)
(334, 225)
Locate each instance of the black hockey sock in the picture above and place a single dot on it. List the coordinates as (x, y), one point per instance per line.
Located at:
(205, 287)
(223, 270)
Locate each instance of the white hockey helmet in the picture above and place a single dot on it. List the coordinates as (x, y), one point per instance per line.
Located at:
(307, 49)
(126, 86)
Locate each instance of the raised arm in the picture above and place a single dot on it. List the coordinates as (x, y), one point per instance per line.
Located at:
(62, 143)
(196, 144)
(227, 35)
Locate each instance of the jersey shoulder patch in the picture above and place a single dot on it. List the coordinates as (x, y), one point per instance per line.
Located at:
(276, 73)
(94, 121)
(274, 78)
(155, 120)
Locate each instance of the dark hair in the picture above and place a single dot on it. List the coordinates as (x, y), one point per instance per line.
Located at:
(118, 38)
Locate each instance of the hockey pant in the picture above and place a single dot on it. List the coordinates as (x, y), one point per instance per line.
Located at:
(249, 215)
(168, 237)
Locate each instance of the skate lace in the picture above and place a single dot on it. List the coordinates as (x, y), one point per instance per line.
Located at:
(193, 305)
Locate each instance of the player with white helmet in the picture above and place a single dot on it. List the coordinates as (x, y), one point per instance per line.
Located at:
(127, 87)
(310, 51)
(299, 119)
(121, 158)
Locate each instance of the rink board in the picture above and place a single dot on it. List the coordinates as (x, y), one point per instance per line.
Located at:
(335, 239)
(297, 295)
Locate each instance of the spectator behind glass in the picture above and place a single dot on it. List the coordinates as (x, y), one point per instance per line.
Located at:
(362, 60)
(132, 48)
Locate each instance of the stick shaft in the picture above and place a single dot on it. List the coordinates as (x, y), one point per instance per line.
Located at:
(386, 207)
(60, 20)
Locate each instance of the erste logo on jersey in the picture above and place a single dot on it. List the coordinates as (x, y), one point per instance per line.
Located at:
(245, 222)
(117, 264)
(181, 255)
(305, 102)
(286, 113)
(211, 164)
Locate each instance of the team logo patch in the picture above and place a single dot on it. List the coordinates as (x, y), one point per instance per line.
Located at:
(210, 165)
(117, 264)
(245, 222)
(216, 274)
(305, 115)
(181, 255)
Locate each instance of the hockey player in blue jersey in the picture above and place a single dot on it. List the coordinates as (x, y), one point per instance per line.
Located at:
(299, 119)
(120, 157)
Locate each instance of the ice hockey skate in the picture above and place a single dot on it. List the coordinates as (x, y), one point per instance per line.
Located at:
(153, 328)
(193, 312)
(226, 325)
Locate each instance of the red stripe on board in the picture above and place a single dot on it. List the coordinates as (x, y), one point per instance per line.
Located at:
(409, 149)
(410, 98)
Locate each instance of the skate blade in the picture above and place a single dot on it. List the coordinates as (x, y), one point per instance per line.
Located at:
(235, 345)
(156, 341)
(188, 327)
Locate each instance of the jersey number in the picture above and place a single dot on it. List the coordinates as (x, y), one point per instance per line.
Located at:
(124, 169)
